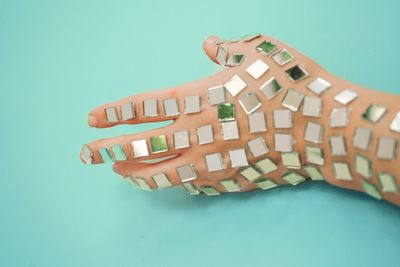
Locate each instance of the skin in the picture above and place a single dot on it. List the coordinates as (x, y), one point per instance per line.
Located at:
(208, 115)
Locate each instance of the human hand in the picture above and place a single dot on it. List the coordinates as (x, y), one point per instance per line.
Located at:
(261, 122)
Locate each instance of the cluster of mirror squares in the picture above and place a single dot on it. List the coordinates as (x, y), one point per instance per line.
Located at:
(215, 162)
(282, 57)
(170, 106)
(127, 112)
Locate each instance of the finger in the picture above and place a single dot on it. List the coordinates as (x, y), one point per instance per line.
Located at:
(166, 174)
(150, 146)
(221, 51)
(153, 106)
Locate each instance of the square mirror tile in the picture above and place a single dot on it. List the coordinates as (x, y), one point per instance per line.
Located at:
(293, 178)
(374, 113)
(346, 96)
(387, 148)
(230, 185)
(339, 117)
(161, 180)
(271, 88)
(214, 162)
(192, 104)
(337, 145)
(222, 55)
(314, 155)
(186, 172)
(297, 73)
(312, 106)
(111, 114)
(282, 57)
(265, 184)
(292, 99)
(282, 118)
(235, 85)
(395, 124)
(205, 134)
(362, 138)
(257, 122)
(171, 107)
(266, 47)
(216, 95)
(127, 111)
(341, 171)
(181, 139)
(140, 148)
(370, 190)
(230, 130)
(158, 143)
(238, 158)
(118, 151)
(141, 182)
(226, 112)
(257, 146)
(314, 173)
(249, 102)
(291, 160)
(387, 183)
(235, 60)
(209, 190)
(250, 174)
(318, 86)
(266, 166)
(283, 142)
(363, 166)
(314, 133)
(105, 154)
(257, 69)
(86, 154)
(150, 108)
(190, 188)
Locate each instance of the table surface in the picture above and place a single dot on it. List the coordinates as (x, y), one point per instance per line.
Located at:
(58, 59)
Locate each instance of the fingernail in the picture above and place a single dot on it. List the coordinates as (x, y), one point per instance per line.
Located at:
(212, 39)
(92, 121)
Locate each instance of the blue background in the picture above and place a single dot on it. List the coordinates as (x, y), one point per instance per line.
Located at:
(59, 59)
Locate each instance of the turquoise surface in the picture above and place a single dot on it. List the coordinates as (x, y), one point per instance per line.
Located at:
(58, 59)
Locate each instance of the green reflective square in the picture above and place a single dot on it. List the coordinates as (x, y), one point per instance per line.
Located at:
(226, 112)
(158, 143)
(119, 153)
(105, 154)
(266, 47)
(296, 73)
(235, 60)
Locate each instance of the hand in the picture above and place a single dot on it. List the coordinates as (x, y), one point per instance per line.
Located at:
(263, 121)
